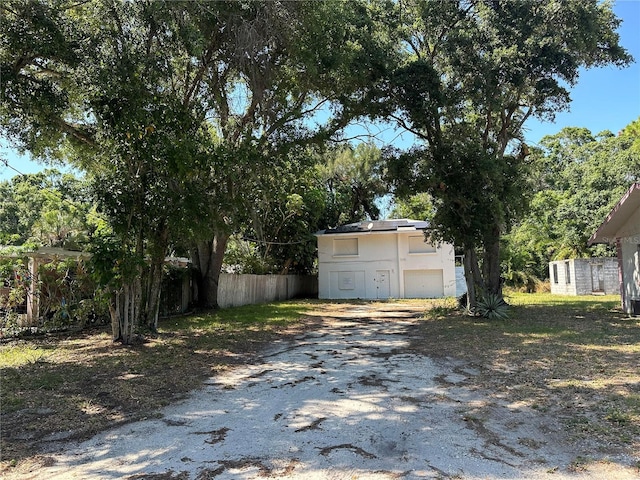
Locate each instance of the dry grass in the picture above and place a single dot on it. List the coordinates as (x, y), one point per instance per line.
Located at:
(57, 388)
(573, 358)
(576, 359)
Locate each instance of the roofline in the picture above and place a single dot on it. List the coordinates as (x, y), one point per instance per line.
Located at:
(407, 227)
(377, 226)
(593, 239)
(372, 232)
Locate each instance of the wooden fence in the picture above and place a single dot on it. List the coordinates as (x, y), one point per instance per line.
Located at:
(237, 290)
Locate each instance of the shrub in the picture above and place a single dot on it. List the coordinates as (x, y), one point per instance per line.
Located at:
(492, 306)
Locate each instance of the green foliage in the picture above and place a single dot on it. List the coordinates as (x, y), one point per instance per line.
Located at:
(282, 205)
(418, 206)
(337, 186)
(245, 257)
(113, 264)
(67, 296)
(14, 284)
(45, 209)
(472, 74)
(353, 178)
(578, 178)
(64, 291)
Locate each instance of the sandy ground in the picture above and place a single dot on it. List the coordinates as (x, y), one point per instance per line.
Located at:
(348, 400)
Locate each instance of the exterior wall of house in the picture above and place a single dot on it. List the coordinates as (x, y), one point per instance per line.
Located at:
(630, 272)
(629, 250)
(381, 265)
(622, 228)
(584, 276)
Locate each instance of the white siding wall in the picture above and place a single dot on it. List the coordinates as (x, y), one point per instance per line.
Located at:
(629, 237)
(630, 270)
(377, 271)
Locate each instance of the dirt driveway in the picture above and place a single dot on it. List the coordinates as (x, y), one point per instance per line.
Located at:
(349, 399)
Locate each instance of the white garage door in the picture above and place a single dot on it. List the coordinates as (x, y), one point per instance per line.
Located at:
(423, 284)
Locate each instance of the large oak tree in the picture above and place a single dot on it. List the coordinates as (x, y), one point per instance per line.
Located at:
(473, 72)
(178, 111)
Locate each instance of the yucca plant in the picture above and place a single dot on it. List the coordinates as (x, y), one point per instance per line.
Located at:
(493, 307)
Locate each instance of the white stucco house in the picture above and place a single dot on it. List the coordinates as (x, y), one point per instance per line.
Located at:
(584, 276)
(383, 259)
(622, 229)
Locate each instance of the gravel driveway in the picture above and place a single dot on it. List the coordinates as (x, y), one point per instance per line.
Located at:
(348, 400)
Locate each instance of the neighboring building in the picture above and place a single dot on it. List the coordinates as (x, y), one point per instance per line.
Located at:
(622, 229)
(383, 259)
(584, 276)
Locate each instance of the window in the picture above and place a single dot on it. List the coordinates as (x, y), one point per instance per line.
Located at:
(418, 245)
(567, 272)
(345, 246)
(555, 273)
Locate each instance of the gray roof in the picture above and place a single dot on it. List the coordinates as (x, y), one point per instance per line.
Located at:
(377, 226)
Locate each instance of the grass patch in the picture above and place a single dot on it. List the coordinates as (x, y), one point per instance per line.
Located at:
(73, 386)
(18, 355)
(573, 357)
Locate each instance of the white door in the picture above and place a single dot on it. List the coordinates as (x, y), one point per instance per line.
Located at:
(383, 289)
(423, 284)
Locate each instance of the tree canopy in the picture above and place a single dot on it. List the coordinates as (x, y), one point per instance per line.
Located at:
(47, 208)
(197, 120)
(472, 74)
(577, 177)
(170, 107)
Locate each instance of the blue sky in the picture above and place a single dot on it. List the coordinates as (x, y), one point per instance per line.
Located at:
(603, 99)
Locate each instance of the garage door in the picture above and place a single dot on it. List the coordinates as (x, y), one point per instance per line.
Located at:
(423, 284)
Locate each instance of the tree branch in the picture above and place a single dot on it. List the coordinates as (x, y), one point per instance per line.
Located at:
(77, 132)
(402, 122)
(204, 64)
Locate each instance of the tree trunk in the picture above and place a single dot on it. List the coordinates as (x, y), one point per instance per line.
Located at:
(154, 284)
(124, 310)
(207, 260)
(473, 279)
(471, 287)
(491, 262)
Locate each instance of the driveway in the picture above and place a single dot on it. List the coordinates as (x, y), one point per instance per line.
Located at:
(348, 400)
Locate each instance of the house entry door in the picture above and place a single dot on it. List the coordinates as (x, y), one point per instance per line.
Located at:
(597, 278)
(383, 288)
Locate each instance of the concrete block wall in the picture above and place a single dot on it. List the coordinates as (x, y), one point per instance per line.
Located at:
(558, 278)
(611, 277)
(580, 276)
